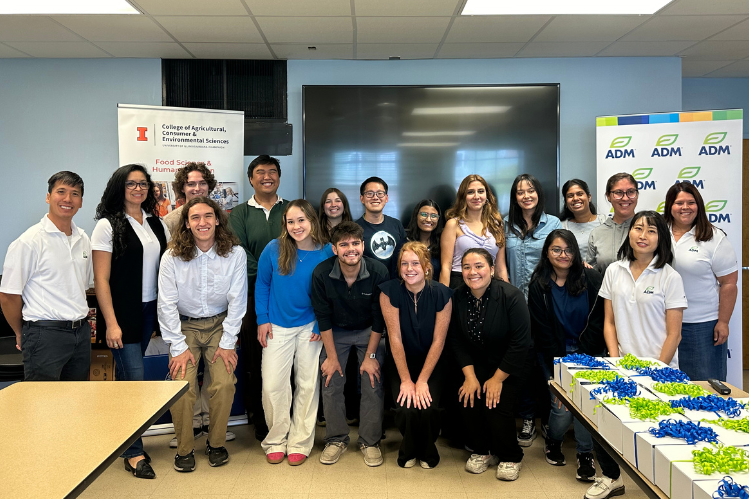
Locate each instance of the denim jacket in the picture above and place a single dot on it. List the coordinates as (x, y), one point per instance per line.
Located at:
(523, 254)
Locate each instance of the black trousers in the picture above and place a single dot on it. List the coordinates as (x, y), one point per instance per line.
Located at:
(252, 357)
(419, 427)
(609, 468)
(492, 431)
(55, 354)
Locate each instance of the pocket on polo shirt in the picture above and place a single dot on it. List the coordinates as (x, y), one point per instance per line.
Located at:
(221, 284)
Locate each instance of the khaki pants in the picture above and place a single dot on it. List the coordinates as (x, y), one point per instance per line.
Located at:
(202, 337)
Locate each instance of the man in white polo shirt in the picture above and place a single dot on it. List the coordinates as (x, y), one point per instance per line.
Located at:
(43, 291)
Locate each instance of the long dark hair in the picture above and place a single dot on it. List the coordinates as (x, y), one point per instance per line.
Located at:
(183, 242)
(566, 213)
(325, 231)
(663, 252)
(112, 204)
(517, 223)
(413, 233)
(704, 231)
(544, 271)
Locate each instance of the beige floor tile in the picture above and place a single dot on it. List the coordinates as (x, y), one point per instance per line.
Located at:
(257, 476)
(349, 475)
(427, 495)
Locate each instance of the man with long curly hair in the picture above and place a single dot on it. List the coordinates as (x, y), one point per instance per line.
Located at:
(191, 181)
(202, 300)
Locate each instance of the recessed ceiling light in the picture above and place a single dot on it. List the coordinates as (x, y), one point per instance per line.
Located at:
(461, 110)
(428, 144)
(57, 7)
(557, 7)
(436, 134)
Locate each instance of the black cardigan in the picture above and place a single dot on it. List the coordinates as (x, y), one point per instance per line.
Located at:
(548, 333)
(506, 330)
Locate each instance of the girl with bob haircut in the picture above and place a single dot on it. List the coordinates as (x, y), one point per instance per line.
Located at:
(579, 213)
(706, 261)
(473, 221)
(426, 226)
(490, 337)
(127, 244)
(417, 314)
(606, 239)
(288, 333)
(334, 209)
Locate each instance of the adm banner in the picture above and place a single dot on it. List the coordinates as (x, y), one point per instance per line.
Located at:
(164, 139)
(703, 148)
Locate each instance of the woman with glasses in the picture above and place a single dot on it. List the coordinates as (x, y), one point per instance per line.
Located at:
(566, 318)
(417, 314)
(127, 244)
(606, 239)
(426, 226)
(579, 213)
(706, 261)
(334, 209)
(472, 222)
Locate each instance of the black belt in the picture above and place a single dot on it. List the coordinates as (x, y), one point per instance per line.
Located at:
(58, 324)
(187, 318)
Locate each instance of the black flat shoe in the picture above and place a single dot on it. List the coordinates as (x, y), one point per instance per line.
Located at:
(142, 469)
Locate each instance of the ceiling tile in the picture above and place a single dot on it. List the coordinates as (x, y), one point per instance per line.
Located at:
(211, 29)
(408, 8)
(644, 49)
(674, 28)
(401, 29)
(589, 28)
(145, 50)
(323, 51)
(68, 50)
(7, 52)
(495, 28)
(478, 50)
(706, 7)
(693, 69)
(193, 7)
(402, 50)
(229, 50)
(115, 28)
(300, 7)
(739, 69)
(34, 29)
(307, 29)
(738, 32)
(562, 49)
(718, 51)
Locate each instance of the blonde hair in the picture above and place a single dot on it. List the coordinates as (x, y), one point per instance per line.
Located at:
(422, 253)
(491, 219)
(287, 245)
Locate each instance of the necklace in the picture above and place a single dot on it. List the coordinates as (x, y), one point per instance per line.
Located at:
(305, 256)
(414, 298)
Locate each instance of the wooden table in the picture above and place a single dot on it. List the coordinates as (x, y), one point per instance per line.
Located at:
(59, 436)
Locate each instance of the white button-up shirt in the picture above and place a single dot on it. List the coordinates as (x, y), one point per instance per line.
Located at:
(205, 286)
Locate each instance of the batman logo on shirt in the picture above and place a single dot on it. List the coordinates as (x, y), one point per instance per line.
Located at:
(382, 244)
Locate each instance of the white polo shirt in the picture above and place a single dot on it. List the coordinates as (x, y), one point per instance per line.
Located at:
(101, 240)
(640, 306)
(699, 264)
(50, 271)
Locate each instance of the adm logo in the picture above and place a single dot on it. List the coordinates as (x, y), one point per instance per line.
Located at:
(662, 151)
(714, 209)
(710, 145)
(687, 175)
(617, 148)
(641, 174)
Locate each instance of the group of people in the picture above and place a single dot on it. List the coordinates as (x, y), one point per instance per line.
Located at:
(456, 314)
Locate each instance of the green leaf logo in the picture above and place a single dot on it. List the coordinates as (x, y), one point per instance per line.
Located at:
(661, 207)
(667, 140)
(620, 142)
(689, 172)
(642, 173)
(717, 205)
(715, 138)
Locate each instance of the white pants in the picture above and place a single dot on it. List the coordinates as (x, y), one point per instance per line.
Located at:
(291, 346)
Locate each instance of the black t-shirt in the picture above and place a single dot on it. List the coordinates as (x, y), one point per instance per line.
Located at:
(383, 241)
(417, 330)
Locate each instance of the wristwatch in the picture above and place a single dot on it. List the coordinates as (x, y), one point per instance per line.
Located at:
(372, 355)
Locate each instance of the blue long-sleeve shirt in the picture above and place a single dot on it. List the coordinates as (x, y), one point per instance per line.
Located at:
(524, 254)
(285, 300)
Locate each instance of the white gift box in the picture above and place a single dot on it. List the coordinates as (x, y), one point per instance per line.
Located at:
(631, 372)
(611, 419)
(684, 479)
(704, 489)
(645, 444)
(665, 455)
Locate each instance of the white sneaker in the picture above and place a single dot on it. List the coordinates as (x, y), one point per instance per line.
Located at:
(508, 471)
(410, 463)
(605, 487)
(372, 455)
(478, 464)
(230, 436)
(426, 466)
(332, 452)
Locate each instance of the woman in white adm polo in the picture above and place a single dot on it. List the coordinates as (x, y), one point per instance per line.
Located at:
(706, 261)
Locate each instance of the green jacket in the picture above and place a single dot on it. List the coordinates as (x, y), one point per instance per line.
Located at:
(254, 231)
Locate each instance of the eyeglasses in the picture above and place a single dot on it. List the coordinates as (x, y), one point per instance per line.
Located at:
(433, 216)
(193, 185)
(559, 251)
(631, 194)
(371, 194)
(132, 185)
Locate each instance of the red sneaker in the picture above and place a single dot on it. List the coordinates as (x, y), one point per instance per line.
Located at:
(275, 457)
(297, 459)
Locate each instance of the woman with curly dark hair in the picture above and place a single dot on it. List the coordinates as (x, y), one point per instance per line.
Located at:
(127, 245)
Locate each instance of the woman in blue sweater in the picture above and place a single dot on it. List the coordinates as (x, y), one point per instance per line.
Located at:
(288, 332)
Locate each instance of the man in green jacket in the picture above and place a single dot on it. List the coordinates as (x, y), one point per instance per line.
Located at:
(256, 223)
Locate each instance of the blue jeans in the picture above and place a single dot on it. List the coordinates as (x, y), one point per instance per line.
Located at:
(698, 355)
(560, 419)
(128, 364)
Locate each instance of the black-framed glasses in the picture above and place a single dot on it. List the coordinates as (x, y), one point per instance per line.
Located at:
(132, 185)
(559, 251)
(619, 194)
(425, 215)
(371, 194)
